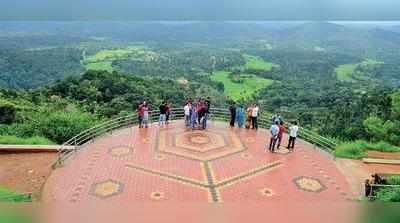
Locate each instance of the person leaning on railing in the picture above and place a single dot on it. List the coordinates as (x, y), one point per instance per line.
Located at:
(187, 110)
(140, 113)
(372, 184)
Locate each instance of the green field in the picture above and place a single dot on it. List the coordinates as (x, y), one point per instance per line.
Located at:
(102, 65)
(346, 72)
(237, 91)
(256, 63)
(103, 59)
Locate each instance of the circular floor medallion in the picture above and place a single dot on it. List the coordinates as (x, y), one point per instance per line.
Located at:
(157, 195)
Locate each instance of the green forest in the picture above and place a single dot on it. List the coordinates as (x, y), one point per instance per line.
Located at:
(56, 83)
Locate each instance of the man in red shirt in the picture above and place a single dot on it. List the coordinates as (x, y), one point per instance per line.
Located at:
(280, 134)
(140, 112)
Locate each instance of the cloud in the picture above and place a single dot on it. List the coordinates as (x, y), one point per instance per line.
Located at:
(199, 10)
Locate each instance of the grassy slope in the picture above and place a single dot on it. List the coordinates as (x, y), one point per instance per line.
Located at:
(256, 63)
(358, 149)
(345, 72)
(237, 91)
(14, 140)
(251, 83)
(103, 59)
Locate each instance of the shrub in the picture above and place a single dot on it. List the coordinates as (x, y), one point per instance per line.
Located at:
(7, 112)
(382, 147)
(394, 180)
(388, 194)
(352, 150)
(14, 140)
(23, 130)
(61, 126)
(357, 149)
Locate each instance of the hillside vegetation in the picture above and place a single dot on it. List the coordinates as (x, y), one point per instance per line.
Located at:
(338, 80)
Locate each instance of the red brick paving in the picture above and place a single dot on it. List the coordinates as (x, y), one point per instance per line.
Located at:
(182, 180)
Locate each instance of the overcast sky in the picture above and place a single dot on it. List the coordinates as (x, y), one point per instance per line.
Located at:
(200, 9)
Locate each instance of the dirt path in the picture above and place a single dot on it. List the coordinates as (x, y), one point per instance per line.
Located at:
(25, 172)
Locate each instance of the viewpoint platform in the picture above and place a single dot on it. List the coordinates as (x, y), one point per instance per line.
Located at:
(175, 165)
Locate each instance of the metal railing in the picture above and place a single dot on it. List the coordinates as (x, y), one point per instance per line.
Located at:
(70, 147)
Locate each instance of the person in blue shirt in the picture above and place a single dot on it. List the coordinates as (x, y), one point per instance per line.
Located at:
(240, 116)
(193, 116)
(274, 130)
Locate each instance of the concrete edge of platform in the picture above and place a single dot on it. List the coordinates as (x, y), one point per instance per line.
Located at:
(31, 148)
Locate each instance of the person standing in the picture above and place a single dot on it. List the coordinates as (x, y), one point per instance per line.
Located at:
(193, 116)
(280, 134)
(205, 115)
(186, 110)
(274, 130)
(292, 136)
(249, 111)
(276, 117)
(254, 116)
(146, 115)
(199, 110)
(163, 114)
(168, 112)
(240, 116)
(232, 110)
(140, 113)
(207, 111)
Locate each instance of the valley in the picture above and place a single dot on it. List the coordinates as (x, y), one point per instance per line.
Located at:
(330, 85)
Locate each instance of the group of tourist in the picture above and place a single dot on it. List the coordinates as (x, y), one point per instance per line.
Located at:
(246, 117)
(277, 130)
(196, 114)
(143, 114)
(165, 112)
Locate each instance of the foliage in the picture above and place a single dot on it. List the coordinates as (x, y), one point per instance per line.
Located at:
(299, 64)
(34, 140)
(358, 71)
(396, 104)
(383, 130)
(382, 147)
(352, 150)
(388, 194)
(7, 112)
(62, 126)
(26, 69)
(107, 94)
(393, 180)
(357, 149)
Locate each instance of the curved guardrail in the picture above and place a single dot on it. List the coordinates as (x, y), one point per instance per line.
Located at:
(67, 149)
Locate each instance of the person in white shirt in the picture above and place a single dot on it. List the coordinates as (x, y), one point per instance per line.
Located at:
(254, 115)
(292, 136)
(187, 109)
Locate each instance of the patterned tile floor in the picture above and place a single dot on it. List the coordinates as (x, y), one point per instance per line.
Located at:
(172, 164)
